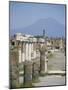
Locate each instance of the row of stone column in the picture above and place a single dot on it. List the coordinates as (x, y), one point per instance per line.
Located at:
(25, 52)
(31, 68)
(32, 71)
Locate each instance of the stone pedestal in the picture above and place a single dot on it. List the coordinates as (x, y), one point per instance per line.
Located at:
(27, 74)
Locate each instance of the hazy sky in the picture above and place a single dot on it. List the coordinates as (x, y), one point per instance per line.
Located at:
(24, 14)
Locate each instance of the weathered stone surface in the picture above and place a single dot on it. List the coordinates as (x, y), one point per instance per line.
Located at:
(27, 73)
(42, 64)
(35, 74)
(14, 70)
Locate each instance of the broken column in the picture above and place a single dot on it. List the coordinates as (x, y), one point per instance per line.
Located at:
(35, 74)
(43, 61)
(27, 74)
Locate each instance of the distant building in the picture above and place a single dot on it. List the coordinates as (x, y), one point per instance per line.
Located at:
(43, 32)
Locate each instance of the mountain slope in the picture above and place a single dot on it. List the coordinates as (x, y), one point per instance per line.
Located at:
(52, 28)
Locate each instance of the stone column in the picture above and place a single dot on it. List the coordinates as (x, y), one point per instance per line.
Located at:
(29, 52)
(46, 62)
(43, 64)
(32, 51)
(27, 74)
(23, 51)
(27, 56)
(34, 48)
(20, 56)
(35, 74)
(61, 44)
(34, 54)
(41, 45)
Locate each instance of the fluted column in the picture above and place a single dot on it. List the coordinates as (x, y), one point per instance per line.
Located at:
(34, 48)
(23, 51)
(27, 56)
(19, 51)
(29, 52)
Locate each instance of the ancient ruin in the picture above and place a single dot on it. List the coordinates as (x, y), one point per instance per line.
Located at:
(29, 57)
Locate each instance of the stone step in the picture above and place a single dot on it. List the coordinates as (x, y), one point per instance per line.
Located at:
(56, 72)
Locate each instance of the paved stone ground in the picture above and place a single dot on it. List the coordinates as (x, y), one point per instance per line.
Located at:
(57, 62)
(51, 80)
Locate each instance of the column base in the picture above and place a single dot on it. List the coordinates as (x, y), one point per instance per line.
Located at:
(27, 84)
(43, 73)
